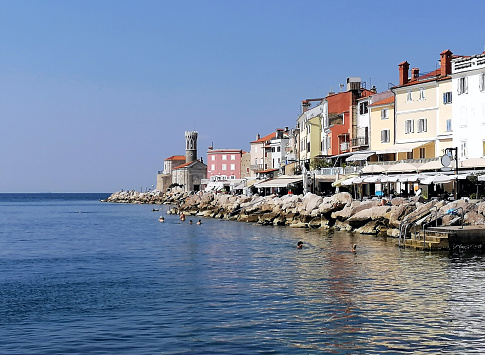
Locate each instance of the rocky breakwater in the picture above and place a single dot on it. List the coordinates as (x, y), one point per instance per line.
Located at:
(151, 197)
(339, 212)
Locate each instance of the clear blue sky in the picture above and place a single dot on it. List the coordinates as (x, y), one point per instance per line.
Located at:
(94, 95)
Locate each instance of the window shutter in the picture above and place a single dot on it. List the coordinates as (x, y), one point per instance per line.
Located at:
(382, 136)
(466, 85)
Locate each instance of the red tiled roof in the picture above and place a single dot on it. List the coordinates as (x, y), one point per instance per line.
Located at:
(385, 101)
(176, 157)
(265, 138)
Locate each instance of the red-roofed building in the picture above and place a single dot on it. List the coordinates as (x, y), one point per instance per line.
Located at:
(184, 170)
(268, 152)
(422, 111)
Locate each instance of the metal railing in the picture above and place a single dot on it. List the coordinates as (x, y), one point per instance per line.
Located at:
(410, 221)
(360, 141)
(437, 217)
(340, 170)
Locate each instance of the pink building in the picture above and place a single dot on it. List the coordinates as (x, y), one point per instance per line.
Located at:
(225, 163)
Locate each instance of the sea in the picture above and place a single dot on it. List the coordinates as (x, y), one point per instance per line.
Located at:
(80, 276)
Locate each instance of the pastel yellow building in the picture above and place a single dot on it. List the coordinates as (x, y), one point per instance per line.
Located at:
(309, 124)
(382, 127)
(423, 111)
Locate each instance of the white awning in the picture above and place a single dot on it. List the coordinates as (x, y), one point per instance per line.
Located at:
(279, 182)
(325, 178)
(402, 148)
(360, 156)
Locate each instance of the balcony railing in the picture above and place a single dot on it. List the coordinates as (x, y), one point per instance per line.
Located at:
(339, 170)
(360, 141)
(257, 167)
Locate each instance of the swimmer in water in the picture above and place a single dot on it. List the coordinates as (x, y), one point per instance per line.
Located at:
(354, 247)
(161, 219)
(200, 222)
(299, 245)
(190, 222)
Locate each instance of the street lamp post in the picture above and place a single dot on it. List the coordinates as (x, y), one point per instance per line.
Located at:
(449, 151)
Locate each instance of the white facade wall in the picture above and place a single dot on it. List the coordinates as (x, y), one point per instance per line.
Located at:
(324, 140)
(278, 154)
(468, 94)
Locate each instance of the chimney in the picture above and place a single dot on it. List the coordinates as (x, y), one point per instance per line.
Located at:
(446, 63)
(414, 73)
(258, 137)
(305, 104)
(403, 73)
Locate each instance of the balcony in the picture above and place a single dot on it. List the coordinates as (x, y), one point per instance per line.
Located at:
(344, 146)
(257, 167)
(360, 141)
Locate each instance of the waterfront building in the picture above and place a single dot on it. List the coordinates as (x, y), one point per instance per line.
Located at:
(468, 94)
(422, 111)
(164, 178)
(224, 163)
(381, 125)
(263, 162)
(339, 124)
(185, 171)
(309, 126)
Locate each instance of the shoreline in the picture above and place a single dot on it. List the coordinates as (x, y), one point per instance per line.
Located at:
(337, 212)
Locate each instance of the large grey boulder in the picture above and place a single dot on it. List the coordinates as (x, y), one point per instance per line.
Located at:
(335, 202)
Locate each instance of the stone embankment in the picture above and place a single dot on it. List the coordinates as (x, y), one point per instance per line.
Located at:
(339, 212)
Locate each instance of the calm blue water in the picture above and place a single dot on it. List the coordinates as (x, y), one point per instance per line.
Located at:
(82, 277)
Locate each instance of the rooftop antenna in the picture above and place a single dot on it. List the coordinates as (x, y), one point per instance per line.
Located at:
(341, 87)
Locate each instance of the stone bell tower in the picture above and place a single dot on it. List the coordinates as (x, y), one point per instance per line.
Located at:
(190, 146)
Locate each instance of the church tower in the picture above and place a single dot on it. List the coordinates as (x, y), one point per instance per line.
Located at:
(190, 146)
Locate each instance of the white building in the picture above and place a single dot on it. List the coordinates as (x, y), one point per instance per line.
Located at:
(278, 148)
(468, 94)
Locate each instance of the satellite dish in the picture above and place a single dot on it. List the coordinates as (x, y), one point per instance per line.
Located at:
(445, 160)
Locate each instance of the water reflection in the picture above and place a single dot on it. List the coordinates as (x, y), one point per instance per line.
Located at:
(227, 287)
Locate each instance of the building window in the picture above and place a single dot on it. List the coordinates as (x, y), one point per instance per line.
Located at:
(278, 149)
(233, 156)
(385, 136)
(421, 94)
(463, 85)
(247, 170)
(409, 126)
(213, 157)
(308, 147)
(422, 153)
(363, 107)
(422, 125)
(385, 114)
(481, 82)
(224, 167)
(448, 125)
(409, 96)
(233, 166)
(213, 167)
(447, 99)
(409, 155)
(463, 149)
(224, 157)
